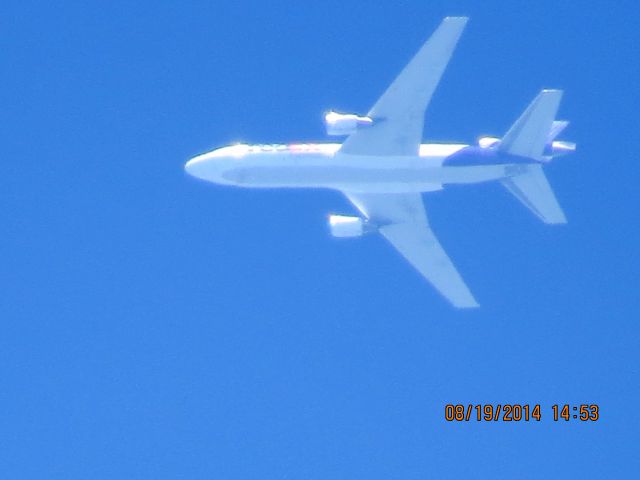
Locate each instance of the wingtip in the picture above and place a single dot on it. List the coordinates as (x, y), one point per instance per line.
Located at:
(552, 91)
(456, 19)
(557, 221)
(464, 301)
(469, 306)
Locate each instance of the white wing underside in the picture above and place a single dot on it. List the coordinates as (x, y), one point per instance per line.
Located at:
(399, 113)
(397, 130)
(403, 222)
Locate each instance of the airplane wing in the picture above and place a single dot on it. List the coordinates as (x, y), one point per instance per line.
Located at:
(399, 114)
(403, 222)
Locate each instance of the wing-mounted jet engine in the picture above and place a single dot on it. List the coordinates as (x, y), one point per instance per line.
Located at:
(345, 123)
(342, 226)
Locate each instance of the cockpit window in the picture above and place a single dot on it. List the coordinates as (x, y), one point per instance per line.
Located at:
(293, 148)
(268, 147)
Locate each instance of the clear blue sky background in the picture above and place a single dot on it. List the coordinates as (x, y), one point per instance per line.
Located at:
(154, 326)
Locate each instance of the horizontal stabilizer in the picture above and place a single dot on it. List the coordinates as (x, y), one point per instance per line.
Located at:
(529, 134)
(534, 191)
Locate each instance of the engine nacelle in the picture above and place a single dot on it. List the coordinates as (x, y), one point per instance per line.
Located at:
(488, 142)
(553, 148)
(345, 123)
(343, 226)
(559, 147)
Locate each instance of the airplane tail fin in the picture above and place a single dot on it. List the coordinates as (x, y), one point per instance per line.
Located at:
(533, 133)
(533, 136)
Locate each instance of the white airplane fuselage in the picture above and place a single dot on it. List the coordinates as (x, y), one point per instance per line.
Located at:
(323, 166)
(382, 166)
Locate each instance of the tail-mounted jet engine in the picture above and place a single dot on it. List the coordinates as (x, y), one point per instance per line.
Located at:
(343, 226)
(345, 123)
(488, 142)
(559, 147)
(553, 148)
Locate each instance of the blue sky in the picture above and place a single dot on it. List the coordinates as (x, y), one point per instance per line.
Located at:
(153, 326)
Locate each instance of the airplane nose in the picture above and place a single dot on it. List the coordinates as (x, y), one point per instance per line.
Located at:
(209, 166)
(194, 166)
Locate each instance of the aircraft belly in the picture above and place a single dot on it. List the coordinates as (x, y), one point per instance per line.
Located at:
(474, 174)
(371, 179)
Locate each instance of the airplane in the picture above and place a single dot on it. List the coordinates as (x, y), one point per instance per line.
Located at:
(382, 167)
